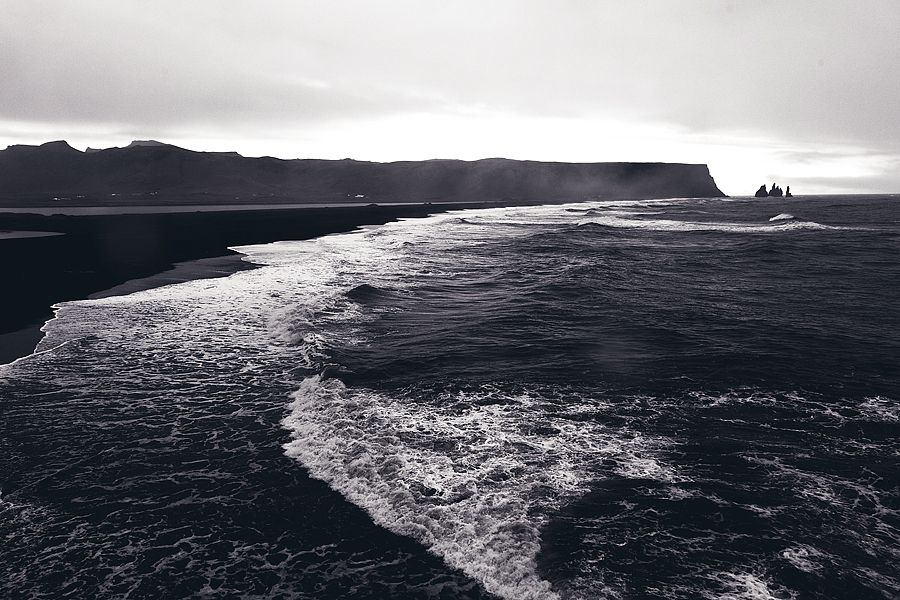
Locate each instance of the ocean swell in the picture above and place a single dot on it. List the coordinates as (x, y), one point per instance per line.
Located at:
(466, 474)
(628, 220)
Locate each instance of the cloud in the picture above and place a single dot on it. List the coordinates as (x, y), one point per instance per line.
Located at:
(768, 72)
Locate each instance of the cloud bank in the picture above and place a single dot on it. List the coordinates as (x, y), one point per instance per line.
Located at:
(760, 90)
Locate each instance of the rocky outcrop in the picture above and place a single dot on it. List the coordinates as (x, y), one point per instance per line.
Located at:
(787, 193)
(775, 192)
(148, 143)
(176, 175)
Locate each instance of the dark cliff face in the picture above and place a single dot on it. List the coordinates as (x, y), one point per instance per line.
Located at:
(171, 172)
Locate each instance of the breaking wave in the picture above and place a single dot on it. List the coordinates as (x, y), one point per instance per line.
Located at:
(472, 475)
(628, 220)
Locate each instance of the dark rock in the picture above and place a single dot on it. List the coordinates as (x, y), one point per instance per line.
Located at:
(177, 175)
(146, 144)
(775, 192)
(788, 194)
(761, 192)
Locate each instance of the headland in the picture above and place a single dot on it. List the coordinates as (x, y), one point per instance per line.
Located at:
(77, 223)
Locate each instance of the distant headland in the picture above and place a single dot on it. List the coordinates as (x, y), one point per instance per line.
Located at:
(148, 171)
(775, 192)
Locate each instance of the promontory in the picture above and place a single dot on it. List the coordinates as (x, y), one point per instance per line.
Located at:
(165, 174)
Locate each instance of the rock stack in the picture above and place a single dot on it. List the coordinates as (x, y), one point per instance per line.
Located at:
(775, 192)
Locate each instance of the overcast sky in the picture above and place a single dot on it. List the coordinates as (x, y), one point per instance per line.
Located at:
(800, 92)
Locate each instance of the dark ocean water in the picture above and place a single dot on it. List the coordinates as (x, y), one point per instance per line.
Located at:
(634, 399)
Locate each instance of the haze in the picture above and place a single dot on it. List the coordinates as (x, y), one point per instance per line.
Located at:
(802, 93)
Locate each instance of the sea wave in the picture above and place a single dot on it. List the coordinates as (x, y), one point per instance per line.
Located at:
(473, 476)
(737, 585)
(627, 221)
(804, 558)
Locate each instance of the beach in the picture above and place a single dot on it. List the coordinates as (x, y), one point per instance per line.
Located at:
(64, 253)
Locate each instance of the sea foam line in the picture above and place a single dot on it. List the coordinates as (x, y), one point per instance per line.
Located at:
(474, 482)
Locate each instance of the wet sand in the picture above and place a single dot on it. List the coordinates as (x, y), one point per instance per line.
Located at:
(16, 235)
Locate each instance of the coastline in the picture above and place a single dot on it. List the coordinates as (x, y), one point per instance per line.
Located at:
(116, 254)
(22, 342)
(201, 268)
(19, 343)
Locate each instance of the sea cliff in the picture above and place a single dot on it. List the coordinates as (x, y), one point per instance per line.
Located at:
(168, 174)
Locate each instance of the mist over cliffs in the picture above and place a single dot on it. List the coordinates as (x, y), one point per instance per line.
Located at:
(170, 174)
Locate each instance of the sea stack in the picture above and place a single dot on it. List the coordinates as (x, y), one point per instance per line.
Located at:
(775, 192)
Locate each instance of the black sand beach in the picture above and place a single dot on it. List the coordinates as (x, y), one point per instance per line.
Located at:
(112, 254)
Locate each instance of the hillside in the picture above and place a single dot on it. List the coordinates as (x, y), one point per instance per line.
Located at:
(169, 174)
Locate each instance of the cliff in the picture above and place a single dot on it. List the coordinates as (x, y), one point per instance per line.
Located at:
(170, 174)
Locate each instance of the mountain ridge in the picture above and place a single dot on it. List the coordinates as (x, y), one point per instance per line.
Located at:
(172, 174)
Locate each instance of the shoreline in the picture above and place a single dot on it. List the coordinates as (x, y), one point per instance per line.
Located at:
(116, 254)
(190, 270)
(17, 344)
(23, 342)
(80, 210)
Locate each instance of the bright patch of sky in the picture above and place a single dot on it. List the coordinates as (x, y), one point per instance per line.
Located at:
(799, 92)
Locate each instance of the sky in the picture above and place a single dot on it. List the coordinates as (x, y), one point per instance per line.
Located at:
(804, 93)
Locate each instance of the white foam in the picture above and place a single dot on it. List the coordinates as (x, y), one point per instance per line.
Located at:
(746, 586)
(803, 557)
(474, 482)
(880, 408)
(625, 220)
(782, 217)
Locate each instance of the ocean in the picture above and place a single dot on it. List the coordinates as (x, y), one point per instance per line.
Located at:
(680, 399)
